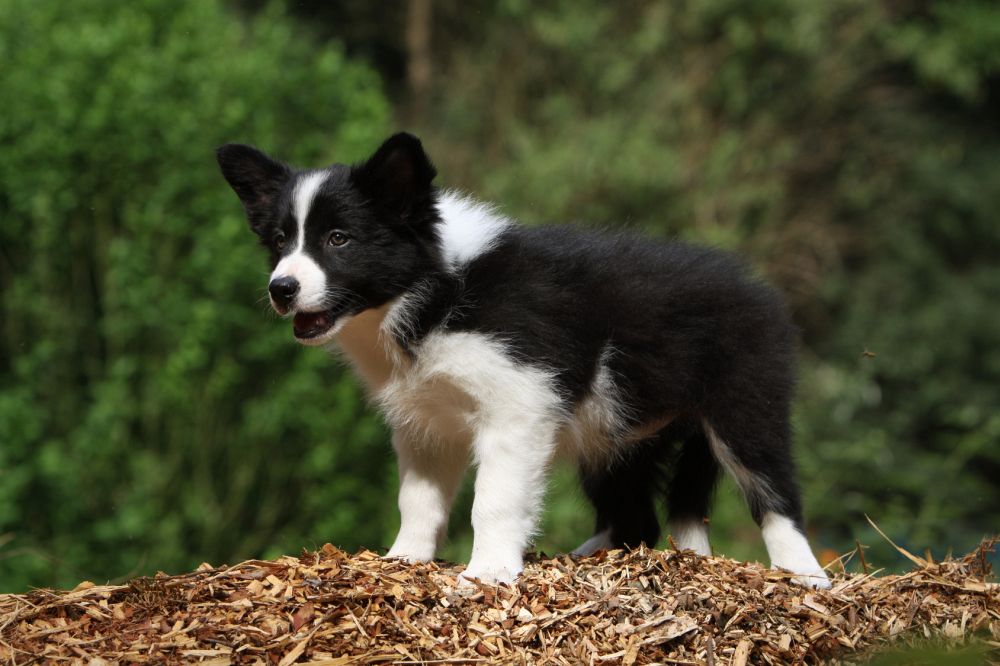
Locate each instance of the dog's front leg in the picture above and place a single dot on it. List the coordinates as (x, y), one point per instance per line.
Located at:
(429, 474)
(513, 461)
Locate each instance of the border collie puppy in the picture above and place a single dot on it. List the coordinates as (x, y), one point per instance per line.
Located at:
(653, 365)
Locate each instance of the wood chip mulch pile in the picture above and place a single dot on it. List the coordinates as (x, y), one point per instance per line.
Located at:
(644, 606)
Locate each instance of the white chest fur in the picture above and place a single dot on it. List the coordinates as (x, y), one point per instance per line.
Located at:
(460, 382)
(455, 384)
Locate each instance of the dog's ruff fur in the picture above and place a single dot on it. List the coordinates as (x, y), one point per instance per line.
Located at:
(653, 365)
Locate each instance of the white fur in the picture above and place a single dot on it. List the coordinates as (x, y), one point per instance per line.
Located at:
(469, 228)
(786, 545)
(594, 431)
(691, 535)
(302, 198)
(457, 383)
(429, 475)
(788, 549)
(513, 449)
(600, 541)
(749, 482)
(460, 392)
(399, 321)
(598, 432)
(312, 282)
(298, 264)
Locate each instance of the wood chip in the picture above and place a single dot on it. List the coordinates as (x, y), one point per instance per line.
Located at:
(329, 608)
(742, 653)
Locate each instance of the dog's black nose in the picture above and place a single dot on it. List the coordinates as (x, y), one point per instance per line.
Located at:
(283, 290)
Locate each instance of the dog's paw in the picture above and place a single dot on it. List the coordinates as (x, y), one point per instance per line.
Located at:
(411, 553)
(600, 541)
(816, 579)
(789, 550)
(807, 571)
(491, 573)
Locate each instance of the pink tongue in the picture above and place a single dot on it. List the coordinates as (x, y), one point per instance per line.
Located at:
(307, 321)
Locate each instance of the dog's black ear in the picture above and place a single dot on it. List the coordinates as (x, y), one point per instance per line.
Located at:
(256, 178)
(397, 177)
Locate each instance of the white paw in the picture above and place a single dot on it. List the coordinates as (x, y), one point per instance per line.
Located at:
(692, 535)
(789, 550)
(492, 573)
(816, 579)
(600, 541)
(411, 553)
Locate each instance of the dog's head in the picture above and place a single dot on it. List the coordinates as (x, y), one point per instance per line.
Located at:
(342, 239)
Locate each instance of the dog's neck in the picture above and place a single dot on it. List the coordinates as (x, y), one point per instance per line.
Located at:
(361, 341)
(379, 341)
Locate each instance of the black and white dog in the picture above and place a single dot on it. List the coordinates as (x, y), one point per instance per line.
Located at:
(654, 365)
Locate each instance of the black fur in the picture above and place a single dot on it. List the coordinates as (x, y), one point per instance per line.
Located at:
(259, 181)
(686, 332)
(693, 337)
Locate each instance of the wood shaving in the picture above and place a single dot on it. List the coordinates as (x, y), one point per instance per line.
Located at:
(329, 608)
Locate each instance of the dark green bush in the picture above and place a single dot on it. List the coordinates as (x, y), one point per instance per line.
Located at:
(150, 414)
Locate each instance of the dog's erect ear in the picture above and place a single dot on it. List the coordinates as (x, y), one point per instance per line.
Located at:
(255, 177)
(397, 177)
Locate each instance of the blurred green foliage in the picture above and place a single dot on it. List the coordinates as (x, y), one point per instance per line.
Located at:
(152, 413)
(929, 653)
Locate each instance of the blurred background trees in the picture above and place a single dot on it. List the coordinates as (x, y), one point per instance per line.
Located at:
(153, 414)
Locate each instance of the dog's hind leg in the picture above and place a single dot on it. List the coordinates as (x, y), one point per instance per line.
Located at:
(624, 495)
(693, 480)
(754, 447)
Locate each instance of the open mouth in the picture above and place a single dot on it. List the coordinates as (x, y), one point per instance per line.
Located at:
(310, 325)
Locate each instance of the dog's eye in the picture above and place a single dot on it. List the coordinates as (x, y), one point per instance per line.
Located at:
(280, 241)
(337, 238)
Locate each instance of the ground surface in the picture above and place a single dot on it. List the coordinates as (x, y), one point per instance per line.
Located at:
(644, 606)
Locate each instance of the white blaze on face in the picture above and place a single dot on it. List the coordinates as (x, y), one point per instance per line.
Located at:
(297, 264)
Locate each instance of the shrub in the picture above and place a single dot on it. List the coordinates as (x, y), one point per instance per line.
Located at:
(150, 417)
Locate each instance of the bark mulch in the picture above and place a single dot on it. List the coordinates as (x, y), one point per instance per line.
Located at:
(644, 606)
